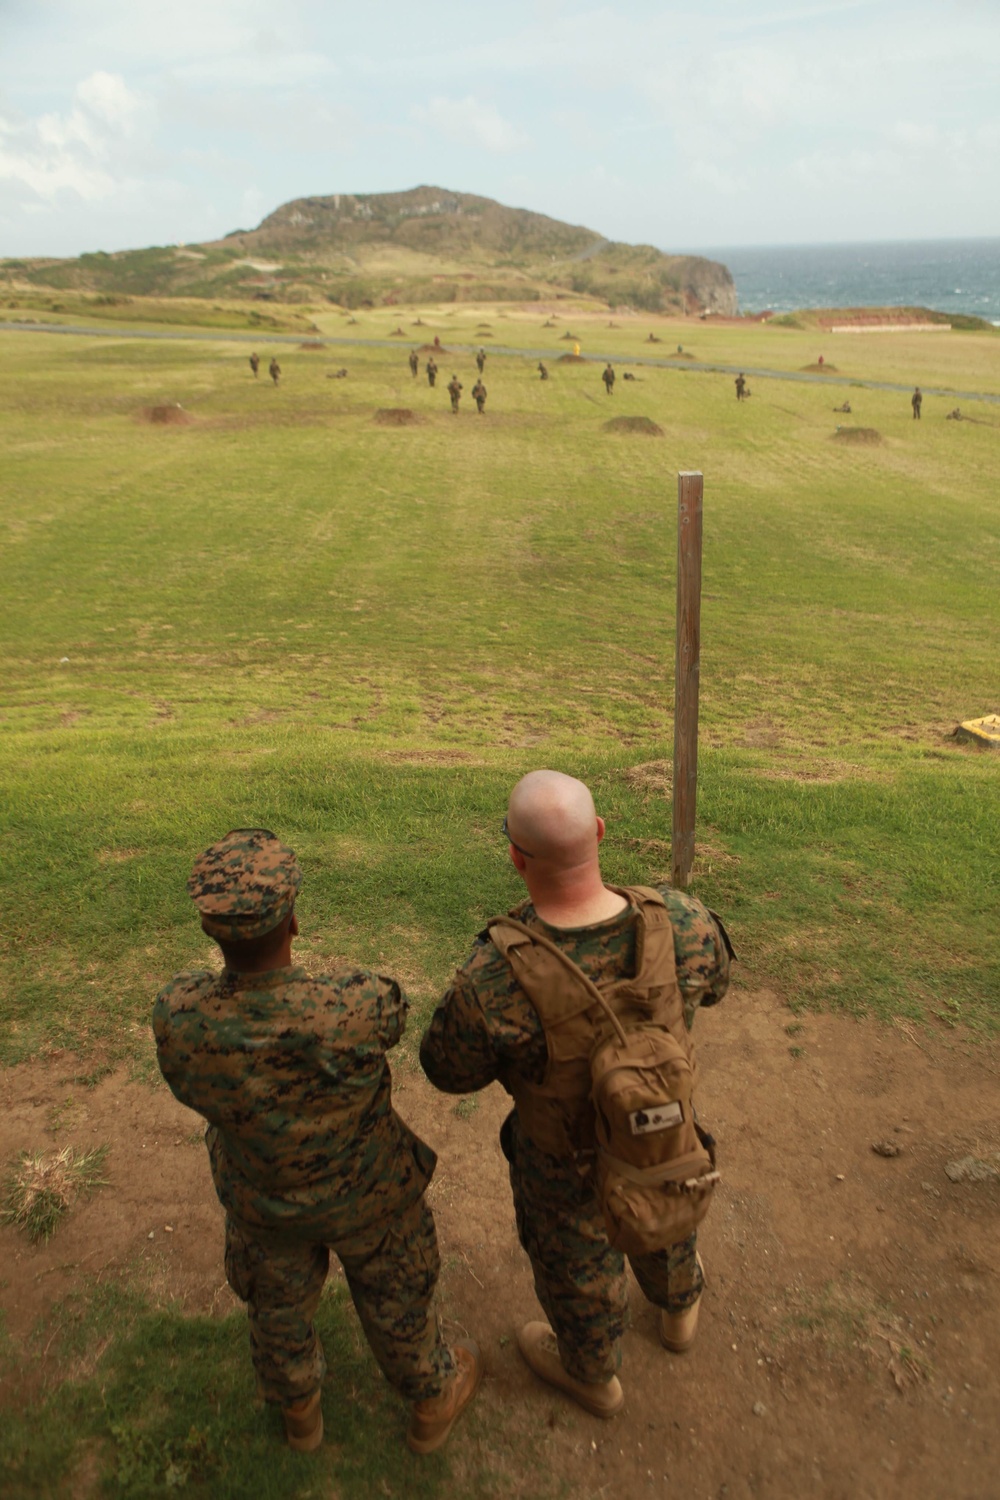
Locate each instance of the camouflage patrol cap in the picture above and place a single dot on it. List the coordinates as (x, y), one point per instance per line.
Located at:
(244, 885)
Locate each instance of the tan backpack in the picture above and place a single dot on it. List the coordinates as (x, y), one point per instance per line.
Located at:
(654, 1166)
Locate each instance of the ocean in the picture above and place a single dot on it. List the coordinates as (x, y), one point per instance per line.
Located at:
(950, 276)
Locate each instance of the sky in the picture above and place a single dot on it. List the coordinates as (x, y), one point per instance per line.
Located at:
(711, 123)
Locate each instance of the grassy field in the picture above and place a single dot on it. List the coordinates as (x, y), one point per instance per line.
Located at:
(283, 612)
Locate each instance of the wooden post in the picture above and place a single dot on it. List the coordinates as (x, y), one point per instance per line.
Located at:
(686, 674)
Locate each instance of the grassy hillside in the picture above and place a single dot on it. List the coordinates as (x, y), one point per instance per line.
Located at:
(382, 249)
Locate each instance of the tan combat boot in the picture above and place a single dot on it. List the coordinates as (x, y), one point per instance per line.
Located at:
(677, 1330)
(540, 1348)
(304, 1423)
(432, 1420)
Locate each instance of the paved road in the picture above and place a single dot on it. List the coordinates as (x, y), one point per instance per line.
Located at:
(653, 361)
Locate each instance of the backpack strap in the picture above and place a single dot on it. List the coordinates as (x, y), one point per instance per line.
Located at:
(509, 948)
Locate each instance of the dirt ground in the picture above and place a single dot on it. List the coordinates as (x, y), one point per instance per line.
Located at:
(849, 1328)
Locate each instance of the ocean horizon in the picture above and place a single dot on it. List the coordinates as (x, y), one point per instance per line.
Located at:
(947, 276)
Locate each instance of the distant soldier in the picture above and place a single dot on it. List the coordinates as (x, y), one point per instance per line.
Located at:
(480, 360)
(414, 363)
(915, 401)
(478, 395)
(255, 364)
(627, 375)
(845, 408)
(542, 371)
(954, 416)
(274, 370)
(741, 386)
(609, 378)
(455, 391)
(432, 372)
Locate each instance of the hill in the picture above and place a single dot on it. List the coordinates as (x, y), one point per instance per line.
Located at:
(373, 249)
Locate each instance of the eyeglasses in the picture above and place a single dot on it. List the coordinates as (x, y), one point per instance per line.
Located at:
(506, 833)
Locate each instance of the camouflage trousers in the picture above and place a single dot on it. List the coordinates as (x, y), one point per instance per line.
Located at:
(580, 1280)
(391, 1270)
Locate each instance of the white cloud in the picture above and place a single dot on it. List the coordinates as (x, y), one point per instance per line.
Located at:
(78, 152)
(469, 120)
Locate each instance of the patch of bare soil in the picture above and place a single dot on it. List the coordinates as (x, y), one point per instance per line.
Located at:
(433, 349)
(173, 414)
(846, 1348)
(821, 369)
(642, 426)
(396, 416)
(859, 436)
(430, 757)
(312, 344)
(656, 776)
(571, 359)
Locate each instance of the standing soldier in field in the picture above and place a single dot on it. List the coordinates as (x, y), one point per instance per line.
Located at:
(479, 396)
(432, 371)
(454, 391)
(274, 370)
(480, 360)
(255, 364)
(741, 386)
(609, 377)
(915, 401)
(414, 363)
(306, 1151)
(543, 373)
(522, 1009)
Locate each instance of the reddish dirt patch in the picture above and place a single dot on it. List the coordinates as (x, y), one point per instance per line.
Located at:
(173, 414)
(571, 359)
(643, 426)
(396, 416)
(312, 344)
(862, 437)
(433, 349)
(847, 1339)
(821, 369)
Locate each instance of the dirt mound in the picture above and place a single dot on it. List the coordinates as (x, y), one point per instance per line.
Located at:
(571, 359)
(174, 413)
(312, 344)
(861, 436)
(396, 416)
(432, 349)
(823, 369)
(644, 425)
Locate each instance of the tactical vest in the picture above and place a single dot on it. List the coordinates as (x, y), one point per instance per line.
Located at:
(556, 1114)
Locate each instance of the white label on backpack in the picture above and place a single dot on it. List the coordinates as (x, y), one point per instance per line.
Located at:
(663, 1117)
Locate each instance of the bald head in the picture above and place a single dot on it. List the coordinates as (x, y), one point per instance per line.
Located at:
(553, 817)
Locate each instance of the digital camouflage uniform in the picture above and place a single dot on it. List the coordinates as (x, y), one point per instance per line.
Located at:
(486, 1028)
(609, 378)
(306, 1152)
(479, 395)
(455, 392)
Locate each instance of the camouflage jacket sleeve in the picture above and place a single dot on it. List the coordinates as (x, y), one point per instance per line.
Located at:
(701, 949)
(483, 1027)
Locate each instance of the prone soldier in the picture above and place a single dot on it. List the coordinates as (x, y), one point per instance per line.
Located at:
(274, 370)
(455, 391)
(609, 377)
(432, 371)
(479, 396)
(306, 1151)
(511, 1014)
(414, 363)
(255, 364)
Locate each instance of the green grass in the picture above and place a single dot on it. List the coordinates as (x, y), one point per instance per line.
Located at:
(150, 1401)
(362, 635)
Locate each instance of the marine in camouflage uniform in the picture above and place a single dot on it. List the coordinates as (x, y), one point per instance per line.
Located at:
(479, 396)
(485, 1029)
(414, 363)
(608, 377)
(255, 364)
(306, 1152)
(455, 392)
(432, 371)
(481, 360)
(274, 370)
